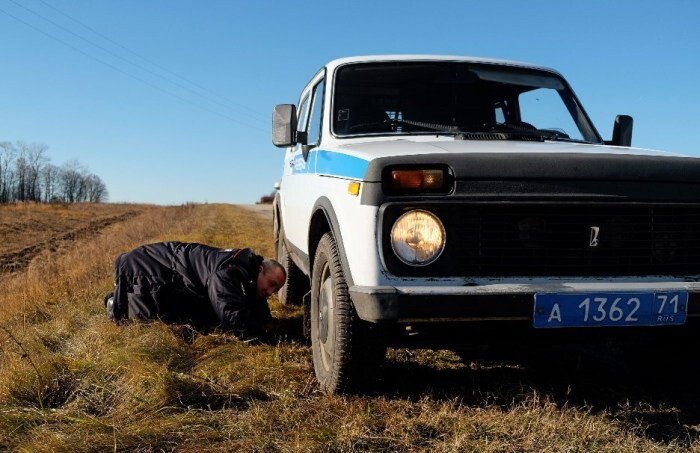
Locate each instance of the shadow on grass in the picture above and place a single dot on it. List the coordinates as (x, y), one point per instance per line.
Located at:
(647, 385)
(652, 387)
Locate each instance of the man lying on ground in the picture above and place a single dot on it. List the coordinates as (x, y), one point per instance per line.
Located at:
(195, 284)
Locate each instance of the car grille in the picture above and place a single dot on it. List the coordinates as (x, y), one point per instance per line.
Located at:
(501, 240)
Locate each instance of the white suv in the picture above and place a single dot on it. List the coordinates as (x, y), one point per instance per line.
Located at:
(470, 203)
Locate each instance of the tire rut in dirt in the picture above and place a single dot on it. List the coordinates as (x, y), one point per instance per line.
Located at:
(18, 260)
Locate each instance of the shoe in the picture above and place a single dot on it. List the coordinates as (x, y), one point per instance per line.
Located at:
(109, 305)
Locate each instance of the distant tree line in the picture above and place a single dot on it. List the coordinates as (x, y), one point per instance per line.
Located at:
(27, 174)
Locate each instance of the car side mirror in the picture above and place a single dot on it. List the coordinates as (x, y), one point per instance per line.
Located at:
(622, 131)
(284, 125)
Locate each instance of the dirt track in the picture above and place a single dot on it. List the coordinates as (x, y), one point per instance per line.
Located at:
(17, 260)
(26, 231)
(31, 235)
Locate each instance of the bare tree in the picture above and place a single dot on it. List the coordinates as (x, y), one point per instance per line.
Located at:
(49, 176)
(26, 174)
(21, 170)
(96, 191)
(7, 157)
(34, 154)
(70, 177)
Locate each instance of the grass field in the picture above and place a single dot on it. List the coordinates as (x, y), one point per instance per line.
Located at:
(70, 380)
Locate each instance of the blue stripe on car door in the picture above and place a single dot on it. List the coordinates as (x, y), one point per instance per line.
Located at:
(337, 164)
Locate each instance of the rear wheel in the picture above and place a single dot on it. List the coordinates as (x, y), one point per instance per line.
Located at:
(347, 352)
(296, 285)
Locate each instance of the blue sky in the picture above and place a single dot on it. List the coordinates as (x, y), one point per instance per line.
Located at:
(169, 101)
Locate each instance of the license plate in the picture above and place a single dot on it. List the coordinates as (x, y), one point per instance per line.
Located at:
(610, 309)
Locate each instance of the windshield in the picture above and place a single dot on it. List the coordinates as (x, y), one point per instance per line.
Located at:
(464, 99)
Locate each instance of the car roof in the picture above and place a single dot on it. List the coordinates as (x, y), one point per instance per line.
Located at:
(447, 58)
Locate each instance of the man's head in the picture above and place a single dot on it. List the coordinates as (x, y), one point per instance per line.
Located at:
(270, 278)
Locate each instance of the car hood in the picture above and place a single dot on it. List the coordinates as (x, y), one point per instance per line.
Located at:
(403, 147)
(501, 160)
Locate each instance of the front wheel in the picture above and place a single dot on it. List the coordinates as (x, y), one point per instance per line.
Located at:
(347, 352)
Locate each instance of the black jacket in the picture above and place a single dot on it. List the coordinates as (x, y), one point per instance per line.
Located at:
(194, 283)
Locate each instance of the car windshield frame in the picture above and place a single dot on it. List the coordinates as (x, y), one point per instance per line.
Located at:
(398, 98)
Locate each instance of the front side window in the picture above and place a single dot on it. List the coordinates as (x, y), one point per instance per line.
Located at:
(303, 114)
(464, 99)
(544, 109)
(314, 137)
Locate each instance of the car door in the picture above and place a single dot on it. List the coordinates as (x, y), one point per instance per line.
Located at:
(298, 194)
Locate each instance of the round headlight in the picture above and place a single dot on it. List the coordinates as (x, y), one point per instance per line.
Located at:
(418, 238)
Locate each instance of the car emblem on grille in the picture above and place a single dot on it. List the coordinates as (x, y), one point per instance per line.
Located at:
(595, 231)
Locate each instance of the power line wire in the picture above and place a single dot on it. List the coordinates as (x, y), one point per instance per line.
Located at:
(124, 59)
(107, 38)
(128, 74)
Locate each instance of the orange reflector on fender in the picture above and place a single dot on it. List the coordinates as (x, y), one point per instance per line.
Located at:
(354, 188)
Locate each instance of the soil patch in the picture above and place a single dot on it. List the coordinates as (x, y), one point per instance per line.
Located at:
(28, 229)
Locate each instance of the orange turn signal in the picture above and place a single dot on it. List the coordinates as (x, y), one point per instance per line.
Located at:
(417, 179)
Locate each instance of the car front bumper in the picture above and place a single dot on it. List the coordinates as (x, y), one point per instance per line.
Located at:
(489, 302)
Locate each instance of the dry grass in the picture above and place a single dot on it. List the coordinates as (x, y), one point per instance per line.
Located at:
(71, 380)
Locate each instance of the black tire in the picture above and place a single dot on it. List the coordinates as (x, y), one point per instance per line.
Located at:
(347, 353)
(296, 285)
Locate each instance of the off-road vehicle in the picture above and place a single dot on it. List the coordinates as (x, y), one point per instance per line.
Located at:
(471, 203)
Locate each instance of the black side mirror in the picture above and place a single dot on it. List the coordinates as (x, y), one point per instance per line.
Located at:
(622, 131)
(284, 125)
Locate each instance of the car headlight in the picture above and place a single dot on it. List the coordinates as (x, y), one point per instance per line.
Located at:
(418, 238)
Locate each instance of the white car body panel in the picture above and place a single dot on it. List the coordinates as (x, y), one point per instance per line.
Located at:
(337, 161)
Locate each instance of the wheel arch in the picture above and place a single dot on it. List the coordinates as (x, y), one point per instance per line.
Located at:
(324, 220)
(276, 217)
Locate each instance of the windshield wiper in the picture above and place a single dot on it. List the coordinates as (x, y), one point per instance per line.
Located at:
(430, 126)
(528, 130)
(516, 130)
(392, 125)
(486, 131)
(564, 138)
